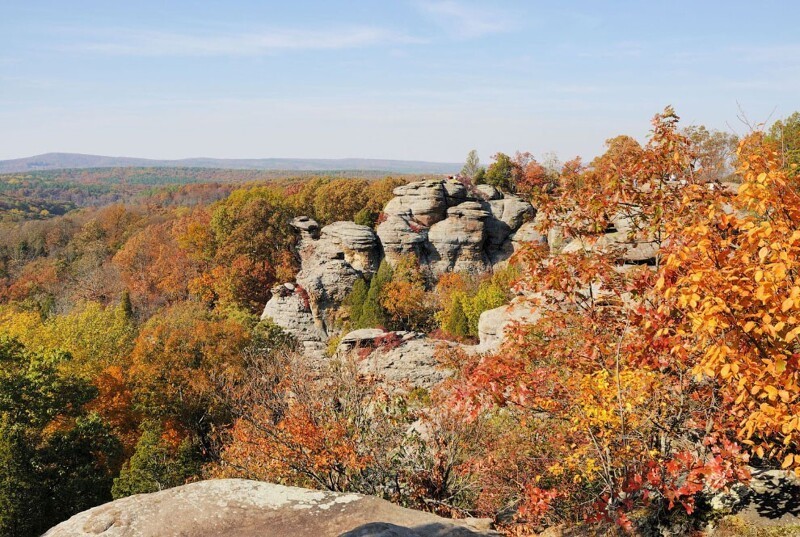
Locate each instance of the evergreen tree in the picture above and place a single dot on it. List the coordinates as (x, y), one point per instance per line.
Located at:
(355, 301)
(156, 465)
(455, 321)
(373, 313)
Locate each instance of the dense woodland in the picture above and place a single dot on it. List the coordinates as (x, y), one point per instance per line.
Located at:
(132, 357)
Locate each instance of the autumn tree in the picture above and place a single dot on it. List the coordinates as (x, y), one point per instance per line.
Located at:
(785, 135)
(159, 462)
(595, 373)
(715, 152)
(404, 297)
(48, 442)
(175, 359)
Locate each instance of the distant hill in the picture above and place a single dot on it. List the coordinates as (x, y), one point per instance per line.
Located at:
(56, 161)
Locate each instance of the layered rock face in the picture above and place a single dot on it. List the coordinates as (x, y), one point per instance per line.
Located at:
(332, 259)
(403, 360)
(446, 227)
(241, 508)
(449, 228)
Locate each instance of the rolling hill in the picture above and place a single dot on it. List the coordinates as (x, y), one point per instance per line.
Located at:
(55, 161)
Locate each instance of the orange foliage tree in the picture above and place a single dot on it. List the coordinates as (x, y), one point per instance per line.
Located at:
(622, 381)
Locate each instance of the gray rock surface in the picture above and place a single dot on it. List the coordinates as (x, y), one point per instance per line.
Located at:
(424, 201)
(332, 259)
(406, 359)
(493, 324)
(400, 235)
(457, 242)
(488, 192)
(241, 508)
(527, 233)
(449, 228)
(289, 308)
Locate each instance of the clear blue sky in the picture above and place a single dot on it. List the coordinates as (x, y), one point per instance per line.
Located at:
(416, 79)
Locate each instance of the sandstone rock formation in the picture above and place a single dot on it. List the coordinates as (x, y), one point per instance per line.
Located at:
(401, 359)
(457, 242)
(240, 508)
(449, 228)
(290, 309)
(493, 324)
(332, 259)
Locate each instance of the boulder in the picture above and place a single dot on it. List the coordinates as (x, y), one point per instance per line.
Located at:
(631, 251)
(455, 192)
(363, 337)
(359, 244)
(493, 324)
(241, 508)
(405, 359)
(526, 234)
(423, 201)
(488, 192)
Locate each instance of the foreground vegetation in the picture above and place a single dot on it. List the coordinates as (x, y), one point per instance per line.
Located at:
(132, 359)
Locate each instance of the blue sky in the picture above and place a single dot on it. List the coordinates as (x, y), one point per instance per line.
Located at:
(416, 79)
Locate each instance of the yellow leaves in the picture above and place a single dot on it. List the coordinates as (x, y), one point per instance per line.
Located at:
(748, 326)
(787, 305)
(788, 461)
(772, 392)
(792, 334)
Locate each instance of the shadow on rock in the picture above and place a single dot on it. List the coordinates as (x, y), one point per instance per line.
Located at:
(384, 529)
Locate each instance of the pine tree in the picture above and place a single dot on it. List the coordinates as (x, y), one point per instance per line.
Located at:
(356, 299)
(373, 313)
(155, 465)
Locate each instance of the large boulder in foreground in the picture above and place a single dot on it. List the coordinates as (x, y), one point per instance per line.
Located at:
(241, 508)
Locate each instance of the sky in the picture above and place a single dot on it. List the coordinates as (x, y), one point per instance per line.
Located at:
(406, 79)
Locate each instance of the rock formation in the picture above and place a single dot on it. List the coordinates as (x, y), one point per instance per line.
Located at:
(332, 259)
(449, 228)
(446, 226)
(240, 508)
(400, 359)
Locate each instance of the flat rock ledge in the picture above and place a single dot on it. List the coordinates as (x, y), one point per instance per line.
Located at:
(242, 508)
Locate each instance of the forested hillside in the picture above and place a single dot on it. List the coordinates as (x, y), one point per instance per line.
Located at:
(657, 365)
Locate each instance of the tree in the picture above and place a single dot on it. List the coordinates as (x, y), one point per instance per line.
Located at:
(785, 135)
(606, 377)
(156, 464)
(175, 360)
(355, 301)
(404, 297)
(502, 173)
(715, 152)
(472, 167)
(373, 313)
(48, 442)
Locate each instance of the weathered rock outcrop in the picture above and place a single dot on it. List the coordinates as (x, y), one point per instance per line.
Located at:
(493, 324)
(332, 259)
(449, 228)
(240, 508)
(401, 359)
(457, 242)
(290, 309)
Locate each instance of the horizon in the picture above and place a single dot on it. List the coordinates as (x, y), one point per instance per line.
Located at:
(422, 80)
